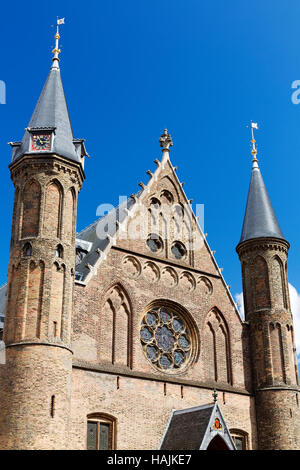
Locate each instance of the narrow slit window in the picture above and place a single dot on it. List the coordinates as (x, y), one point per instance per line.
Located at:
(52, 406)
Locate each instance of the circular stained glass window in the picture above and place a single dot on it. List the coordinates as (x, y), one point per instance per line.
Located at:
(155, 243)
(166, 339)
(178, 250)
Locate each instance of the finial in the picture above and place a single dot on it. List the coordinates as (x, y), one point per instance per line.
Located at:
(215, 395)
(165, 140)
(254, 125)
(56, 50)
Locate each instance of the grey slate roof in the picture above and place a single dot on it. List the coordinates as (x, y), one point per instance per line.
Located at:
(186, 430)
(193, 429)
(260, 219)
(98, 234)
(51, 111)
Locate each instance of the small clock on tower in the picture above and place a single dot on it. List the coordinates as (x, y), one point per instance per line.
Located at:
(40, 142)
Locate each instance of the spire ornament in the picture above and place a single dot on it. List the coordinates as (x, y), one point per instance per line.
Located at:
(56, 51)
(215, 395)
(253, 125)
(165, 141)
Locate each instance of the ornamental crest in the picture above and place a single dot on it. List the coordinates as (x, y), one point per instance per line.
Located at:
(217, 425)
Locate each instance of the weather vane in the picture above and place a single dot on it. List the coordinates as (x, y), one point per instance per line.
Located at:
(56, 50)
(253, 125)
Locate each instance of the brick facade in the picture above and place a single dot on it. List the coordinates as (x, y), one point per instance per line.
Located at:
(76, 350)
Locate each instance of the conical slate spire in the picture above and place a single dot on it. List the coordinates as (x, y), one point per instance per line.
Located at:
(260, 219)
(51, 112)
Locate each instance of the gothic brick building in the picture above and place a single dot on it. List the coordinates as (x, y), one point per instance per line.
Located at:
(116, 341)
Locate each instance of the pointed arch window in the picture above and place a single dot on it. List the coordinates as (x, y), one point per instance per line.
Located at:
(115, 339)
(216, 351)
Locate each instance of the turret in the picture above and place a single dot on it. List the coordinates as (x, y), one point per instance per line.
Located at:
(47, 172)
(263, 252)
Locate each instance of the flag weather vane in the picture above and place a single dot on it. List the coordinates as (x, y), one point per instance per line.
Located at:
(253, 125)
(56, 50)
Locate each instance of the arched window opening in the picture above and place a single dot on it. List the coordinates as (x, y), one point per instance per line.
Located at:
(240, 439)
(166, 197)
(155, 204)
(59, 251)
(27, 249)
(101, 432)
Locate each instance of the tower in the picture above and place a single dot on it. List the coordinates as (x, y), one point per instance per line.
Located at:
(47, 172)
(263, 252)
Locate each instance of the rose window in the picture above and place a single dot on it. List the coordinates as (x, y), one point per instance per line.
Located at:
(166, 339)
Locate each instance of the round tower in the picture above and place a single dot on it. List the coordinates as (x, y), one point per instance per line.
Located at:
(263, 253)
(47, 172)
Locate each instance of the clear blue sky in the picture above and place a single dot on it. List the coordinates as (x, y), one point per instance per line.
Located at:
(201, 69)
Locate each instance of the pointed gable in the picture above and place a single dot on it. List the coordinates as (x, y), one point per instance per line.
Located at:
(174, 220)
(196, 429)
(158, 222)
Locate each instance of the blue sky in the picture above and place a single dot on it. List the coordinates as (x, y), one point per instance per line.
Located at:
(201, 69)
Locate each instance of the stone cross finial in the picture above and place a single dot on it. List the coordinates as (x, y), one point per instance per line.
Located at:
(215, 395)
(165, 140)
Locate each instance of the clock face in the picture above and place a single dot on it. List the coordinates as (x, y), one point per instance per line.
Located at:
(41, 142)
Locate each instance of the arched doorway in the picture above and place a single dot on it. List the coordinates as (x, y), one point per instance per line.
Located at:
(217, 443)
